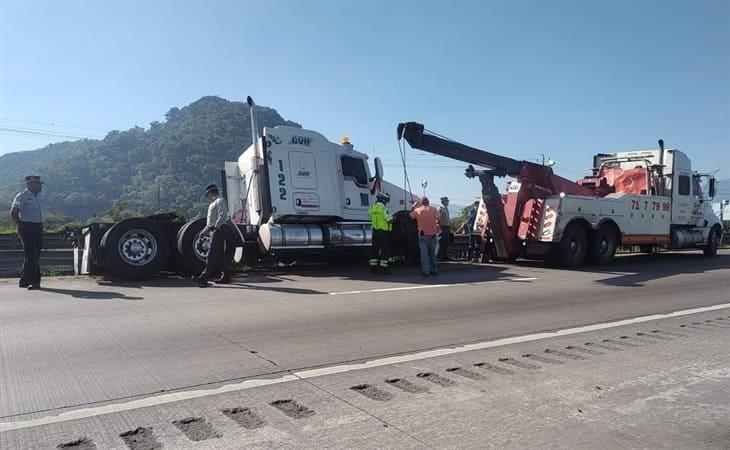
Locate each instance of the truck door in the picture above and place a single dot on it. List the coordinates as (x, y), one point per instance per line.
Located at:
(682, 198)
(356, 188)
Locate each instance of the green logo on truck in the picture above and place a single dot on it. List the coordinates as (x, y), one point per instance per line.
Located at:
(274, 138)
(301, 140)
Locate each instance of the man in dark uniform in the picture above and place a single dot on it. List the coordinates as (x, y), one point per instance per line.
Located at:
(222, 242)
(446, 235)
(27, 214)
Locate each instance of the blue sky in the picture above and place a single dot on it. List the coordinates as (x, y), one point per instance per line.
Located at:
(521, 78)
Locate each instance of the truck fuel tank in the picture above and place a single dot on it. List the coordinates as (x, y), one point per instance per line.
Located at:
(282, 237)
(290, 237)
(346, 234)
(683, 238)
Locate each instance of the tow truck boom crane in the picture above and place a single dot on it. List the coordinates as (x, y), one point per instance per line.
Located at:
(537, 181)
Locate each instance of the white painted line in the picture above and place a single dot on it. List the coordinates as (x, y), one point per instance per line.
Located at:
(431, 286)
(332, 370)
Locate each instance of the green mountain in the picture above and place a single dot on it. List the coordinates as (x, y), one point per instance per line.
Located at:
(87, 178)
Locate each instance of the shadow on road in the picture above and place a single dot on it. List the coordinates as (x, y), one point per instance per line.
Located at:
(267, 279)
(625, 271)
(636, 270)
(449, 273)
(90, 295)
(658, 265)
(283, 290)
(241, 281)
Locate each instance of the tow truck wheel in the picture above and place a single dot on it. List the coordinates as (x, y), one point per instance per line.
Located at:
(192, 249)
(134, 249)
(713, 242)
(603, 245)
(573, 249)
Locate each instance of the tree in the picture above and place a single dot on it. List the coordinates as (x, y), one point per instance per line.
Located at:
(458, 221)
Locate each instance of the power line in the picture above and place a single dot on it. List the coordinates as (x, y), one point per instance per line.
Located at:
(30, 136)
(46, 133)
(7, 119)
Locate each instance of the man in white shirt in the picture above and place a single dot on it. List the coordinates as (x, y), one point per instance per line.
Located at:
(222, 242)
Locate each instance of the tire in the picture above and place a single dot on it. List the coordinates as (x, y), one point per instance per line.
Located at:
(646, 248)
(573, 248)
(251, 254)
(405, 238)
(603, 245)
(192, 252)
(134, 249)
(713, 242)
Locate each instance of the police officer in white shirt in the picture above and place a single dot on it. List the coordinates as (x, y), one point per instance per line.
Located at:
(27, 214)
(222, 243)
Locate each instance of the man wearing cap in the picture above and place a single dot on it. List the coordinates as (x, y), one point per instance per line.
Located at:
(222, 241)
(27, 214)
(382, 223)
(445, 223)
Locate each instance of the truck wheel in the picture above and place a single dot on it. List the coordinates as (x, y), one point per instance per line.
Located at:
(713, 242)
(134, 249)
(405, 238)
(646, 248)
(251, 254)
(573, 249)
(192, 250)
(603, 245)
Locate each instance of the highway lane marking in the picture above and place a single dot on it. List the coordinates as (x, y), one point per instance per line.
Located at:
(431, 286)
(333, 370)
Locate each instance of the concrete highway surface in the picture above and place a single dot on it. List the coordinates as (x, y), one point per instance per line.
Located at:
(631, 355)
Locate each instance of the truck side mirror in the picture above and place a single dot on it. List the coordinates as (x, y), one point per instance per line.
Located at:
(378, 169)
(712, 187)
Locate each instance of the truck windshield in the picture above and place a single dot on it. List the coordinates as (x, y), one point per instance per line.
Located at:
(700, 185)
(696, 187)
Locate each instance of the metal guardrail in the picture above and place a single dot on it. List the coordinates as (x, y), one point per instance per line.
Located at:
(57, 260)
(56, 254)
(11, 241)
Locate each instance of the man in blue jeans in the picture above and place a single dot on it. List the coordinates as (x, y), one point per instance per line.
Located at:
(427, 218)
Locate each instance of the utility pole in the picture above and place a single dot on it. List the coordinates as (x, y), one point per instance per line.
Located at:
(159, 206)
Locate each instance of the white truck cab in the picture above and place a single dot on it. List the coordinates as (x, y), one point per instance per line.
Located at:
(304, 178)
(298, 192)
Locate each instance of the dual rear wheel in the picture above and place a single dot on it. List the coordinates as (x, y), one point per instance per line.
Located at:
(577, 246)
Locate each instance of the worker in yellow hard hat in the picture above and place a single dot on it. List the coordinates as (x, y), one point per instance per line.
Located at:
(382, 223)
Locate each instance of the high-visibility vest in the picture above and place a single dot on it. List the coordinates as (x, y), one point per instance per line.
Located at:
(380, 217)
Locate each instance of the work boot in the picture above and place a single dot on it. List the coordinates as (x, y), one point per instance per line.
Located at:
(225, 279)
(202, 281)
